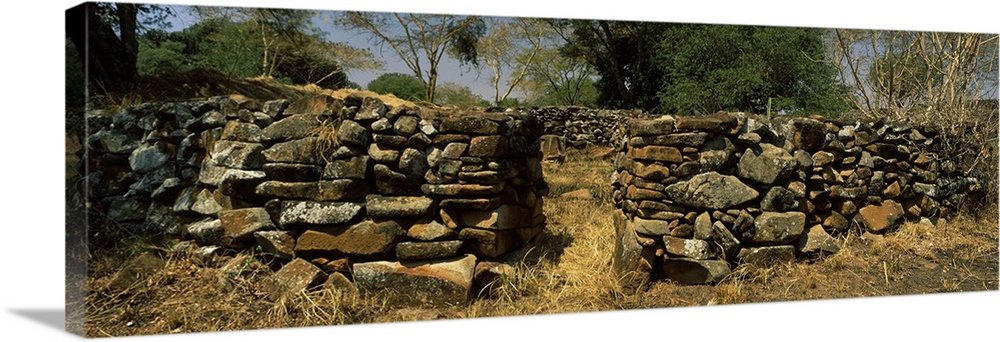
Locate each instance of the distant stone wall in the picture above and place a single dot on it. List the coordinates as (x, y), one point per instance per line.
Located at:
(394, 198)
(699, 195)
(581, 126)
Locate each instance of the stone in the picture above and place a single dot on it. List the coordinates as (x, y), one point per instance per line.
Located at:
(767, 256)
(490, 146)
(413, 162)
(803, 158)
(291, 128)
(241, 183)
(301, 151)
(149, 157)
(703, 226)
(317, 213)
(725, 239)
(275, 107)
(454, 150)
(280, 244)
(398, 206)
(210, 173)
(343, 264)
(718, 122)
(665, 154)
(822, 158)
(471, 203)
(879, 218)
(238, 155)
(427, 250)
(713, 160)
(206, 232)
(241, 224)
(461, 190)
(676, 140)
(771, 228)
(352, 168)
(367, 239)
(926, 189)
(505, 217)
(835, 221)
(651, 227)
(321, 191)
(381, 155)
(442, 282)
(296, 276)
(687, 248)
(288, 172)
(808, 134)
(839, 191)
(427, 229)
(352, 133)
(406, 125)
(494, 243)
(660, 126)
(392, 183)
(471, 125)
(768, 166)
(778, 199)
(240, 131)
(205, 203)
(339, 283)
(652, 171)
(136, 271)
(687, 168)
(687, 271)
(631, 263)
(372, 108)
(317, 104)
(817, 241)
(710, 191)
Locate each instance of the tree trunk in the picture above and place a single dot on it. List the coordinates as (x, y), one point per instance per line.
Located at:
(109, 60)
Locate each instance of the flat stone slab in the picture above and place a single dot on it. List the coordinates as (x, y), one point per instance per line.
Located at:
(297, 275)
(442, 282)
(427, 250)
(317, 213)
(366, 238)
(398, 206)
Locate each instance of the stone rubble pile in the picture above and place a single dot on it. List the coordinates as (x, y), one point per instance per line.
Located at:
(699, 195)
(396, 198)
(581, 126)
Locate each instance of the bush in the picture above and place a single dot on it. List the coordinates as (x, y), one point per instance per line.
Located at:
(403, 86)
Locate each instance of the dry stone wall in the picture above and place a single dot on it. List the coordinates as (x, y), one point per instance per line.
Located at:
(581, 126)
(392, 197)
(698, 195)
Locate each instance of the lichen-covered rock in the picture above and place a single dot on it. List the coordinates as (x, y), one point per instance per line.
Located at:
(771, 228)
(317, 213)
(631, 263)
(390, 207)
(767, 256)
(280, 244)
(710, 191)
(240, 225)
(688, 248)
(817, 241)
(766, 166)
(879, 218)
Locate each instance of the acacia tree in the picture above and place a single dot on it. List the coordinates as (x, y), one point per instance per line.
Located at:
(559, 80)
(509, 50)
(420, 40)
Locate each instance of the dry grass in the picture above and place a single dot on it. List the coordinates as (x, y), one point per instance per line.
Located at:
(568, 269)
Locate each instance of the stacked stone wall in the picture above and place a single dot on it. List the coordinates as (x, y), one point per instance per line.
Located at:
(395, 198)
(700, 195)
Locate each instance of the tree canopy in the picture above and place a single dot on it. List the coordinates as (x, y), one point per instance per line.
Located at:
(402, 85)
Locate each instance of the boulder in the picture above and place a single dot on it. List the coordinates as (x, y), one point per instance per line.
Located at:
(296, 276)
(149, 157)
(632, 263)
(240, 225)
(238, 155)
(710, 191)
(767, 256)
(778, 199)
(808, 134)
(303, 151)
(879, 218)
(352, 133)
(291, 128)
(442, 282)
(660, 126)
(687, 248)
(489, 146)
(766, 166)
(817, 241)
(280, 244)
(771, 228)
(352, 168)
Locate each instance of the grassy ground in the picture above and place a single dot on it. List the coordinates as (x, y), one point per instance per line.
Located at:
(567, 270)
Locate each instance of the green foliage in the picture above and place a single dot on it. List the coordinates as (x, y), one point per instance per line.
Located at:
(707, 68)
(463, 42)
(558, 80)
(453, 94)
(403, 86)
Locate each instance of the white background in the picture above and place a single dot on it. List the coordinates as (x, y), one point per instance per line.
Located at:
(32, 172)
